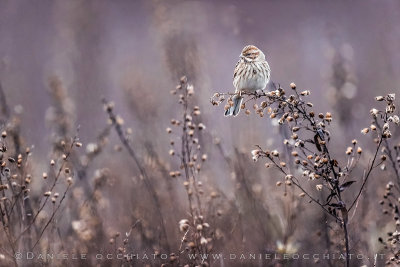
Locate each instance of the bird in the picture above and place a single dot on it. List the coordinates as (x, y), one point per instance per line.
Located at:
(252, 73)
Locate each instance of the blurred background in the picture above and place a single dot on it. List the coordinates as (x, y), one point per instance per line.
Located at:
(134, 52)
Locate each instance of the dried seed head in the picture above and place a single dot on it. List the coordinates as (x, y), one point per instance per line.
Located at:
(374, 112)
(289, 177)
(302, 194)
(390, 97)
(293, 86)
(69, 180)
(183, 80)
(295, 129)
(201, 126)
(47, 194)
(183, 225)
(394, 119)
(4, 134)
(169, 130)
(44, 175)
(365, 130)
(275, 153)
(319, 187)
(385, 126)
(359, 150)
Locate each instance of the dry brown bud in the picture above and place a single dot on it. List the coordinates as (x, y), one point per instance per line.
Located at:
(365, 130)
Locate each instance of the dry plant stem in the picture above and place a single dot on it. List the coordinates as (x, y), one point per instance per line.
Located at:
(51, 189)
(295, 182)
(142, 170)
(52, 216)
(367, 174)
(186, 156)
(185, 153)
(389, 150)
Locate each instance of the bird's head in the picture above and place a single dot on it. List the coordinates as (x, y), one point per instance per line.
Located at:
(251, 53)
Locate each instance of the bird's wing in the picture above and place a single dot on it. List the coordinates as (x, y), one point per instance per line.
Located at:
(235, 72)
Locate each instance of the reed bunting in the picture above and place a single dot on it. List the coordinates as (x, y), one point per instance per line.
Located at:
(251, 74)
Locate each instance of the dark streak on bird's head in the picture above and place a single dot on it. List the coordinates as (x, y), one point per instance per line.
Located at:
(251, 53)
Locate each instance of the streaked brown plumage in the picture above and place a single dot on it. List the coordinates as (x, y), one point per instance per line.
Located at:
(252, 73)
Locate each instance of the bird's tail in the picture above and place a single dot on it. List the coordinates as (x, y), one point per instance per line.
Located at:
(235, 108)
